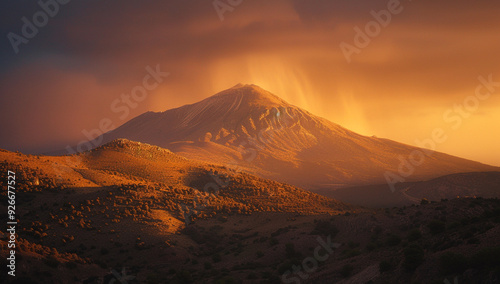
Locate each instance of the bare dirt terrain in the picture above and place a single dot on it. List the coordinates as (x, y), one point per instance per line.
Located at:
(144, 213)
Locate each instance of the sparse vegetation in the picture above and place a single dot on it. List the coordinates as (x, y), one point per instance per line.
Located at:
(385, 265)
(436, 227)
(453, 263)
(252, 229)
(413, 257)
(346, 270)
(414, 235)
(393, 240)
(325, 228)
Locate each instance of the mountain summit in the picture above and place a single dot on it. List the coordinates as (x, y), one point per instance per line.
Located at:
(249, 128)
(247, 95)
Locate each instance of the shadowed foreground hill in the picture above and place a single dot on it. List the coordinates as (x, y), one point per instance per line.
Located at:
(93, 211)
(76, 235)
(150, 216)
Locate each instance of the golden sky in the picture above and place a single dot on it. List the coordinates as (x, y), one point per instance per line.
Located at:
(419, 66)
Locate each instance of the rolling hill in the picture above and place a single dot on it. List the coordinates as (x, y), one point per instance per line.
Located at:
(189, 188)
(136, 200)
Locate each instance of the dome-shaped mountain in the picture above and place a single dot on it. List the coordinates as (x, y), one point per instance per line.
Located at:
(246, 95)
(250, 128)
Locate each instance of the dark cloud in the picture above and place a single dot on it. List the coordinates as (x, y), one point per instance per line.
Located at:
(325, 11)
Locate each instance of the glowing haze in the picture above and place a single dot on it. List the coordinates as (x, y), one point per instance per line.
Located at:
(423, 65)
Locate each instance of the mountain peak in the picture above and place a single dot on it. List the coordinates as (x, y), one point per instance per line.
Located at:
(248, 94)
(246, 86)
(239, 85)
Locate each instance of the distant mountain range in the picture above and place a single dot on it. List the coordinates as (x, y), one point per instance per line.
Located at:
(462, 185)
(248, 128)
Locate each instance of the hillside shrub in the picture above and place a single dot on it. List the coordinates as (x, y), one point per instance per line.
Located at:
(413, 257)
(414, 235)
(393, 240)
(385, 266)
(346, 270)
(452, 262)
(325, 228)
(436, 227)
